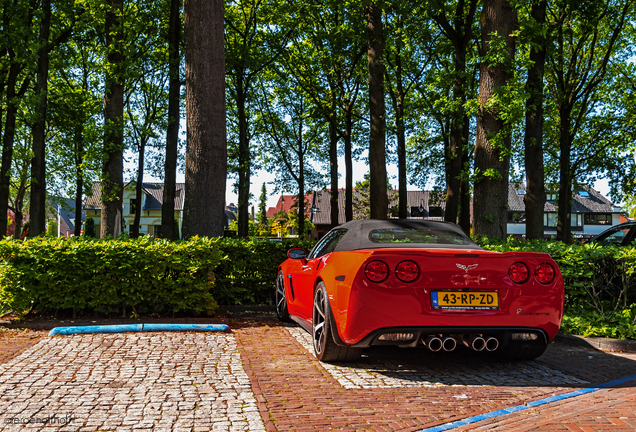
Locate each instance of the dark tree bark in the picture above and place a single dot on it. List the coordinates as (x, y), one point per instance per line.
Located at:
(492, 166)
(244, 158)
(464, 186)
(38, 163)
(348, 160)
(379, 200)
(460, 33)
(134, 230)
(79, 182)
(113, 167)
(169, 229)
(533, 140)
(333, 169)
(206, 153)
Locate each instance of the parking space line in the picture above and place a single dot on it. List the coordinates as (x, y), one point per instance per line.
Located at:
(516, 408)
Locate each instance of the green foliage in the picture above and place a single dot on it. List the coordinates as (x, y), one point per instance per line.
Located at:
(52, 228)
(85, 275)
(248, 269)
(600, 284)
(262, 206)
(89, 228)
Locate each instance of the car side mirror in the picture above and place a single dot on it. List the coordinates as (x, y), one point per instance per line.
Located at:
(296, 253)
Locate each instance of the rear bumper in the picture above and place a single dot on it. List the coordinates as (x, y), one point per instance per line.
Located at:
(503, 335)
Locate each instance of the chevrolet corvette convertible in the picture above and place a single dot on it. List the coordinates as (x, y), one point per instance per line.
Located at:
(415, 283)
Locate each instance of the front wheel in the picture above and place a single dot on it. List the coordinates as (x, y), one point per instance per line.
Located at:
(325, 348)
(282, 312)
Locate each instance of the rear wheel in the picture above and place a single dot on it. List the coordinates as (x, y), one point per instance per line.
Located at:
(520, 352)
(282, 312)
(325, 348)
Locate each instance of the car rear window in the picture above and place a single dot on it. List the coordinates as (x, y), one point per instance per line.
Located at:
(417, 235)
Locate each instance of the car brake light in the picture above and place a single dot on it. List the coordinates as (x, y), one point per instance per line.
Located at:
(376, 271)
(407, 271)
(518, 272)
(544, 273)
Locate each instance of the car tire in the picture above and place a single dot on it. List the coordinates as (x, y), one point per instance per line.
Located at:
(520, 352)
(282, 310)
(325, 348)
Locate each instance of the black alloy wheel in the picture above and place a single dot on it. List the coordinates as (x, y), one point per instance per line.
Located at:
(282, 312)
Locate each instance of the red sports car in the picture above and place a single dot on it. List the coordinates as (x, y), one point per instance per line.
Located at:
(417, 283)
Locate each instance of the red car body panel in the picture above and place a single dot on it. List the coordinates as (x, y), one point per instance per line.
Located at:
(361, 306)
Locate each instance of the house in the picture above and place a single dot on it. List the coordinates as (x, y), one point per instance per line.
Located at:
(149, 206)
(420, 204)
(591, 214)
(286, 202)
(65, 216)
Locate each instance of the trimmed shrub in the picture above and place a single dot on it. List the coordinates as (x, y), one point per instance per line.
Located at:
(89, 228)
(83, 274)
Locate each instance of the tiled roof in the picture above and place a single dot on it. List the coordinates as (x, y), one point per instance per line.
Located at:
(322, 202)
(154, 196)
(594, 203)
(286, 202)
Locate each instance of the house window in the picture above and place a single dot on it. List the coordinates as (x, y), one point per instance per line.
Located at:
(435, 212)
(154, 231)
(133, 205)
(576, 221)
(549, 220)
(598, 219)
(416, 212)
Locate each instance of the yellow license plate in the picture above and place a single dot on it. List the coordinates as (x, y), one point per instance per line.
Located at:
(465, 300)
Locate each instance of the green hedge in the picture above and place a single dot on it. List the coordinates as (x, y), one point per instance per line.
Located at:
(600, 284)
(247, 272)
(85, 275)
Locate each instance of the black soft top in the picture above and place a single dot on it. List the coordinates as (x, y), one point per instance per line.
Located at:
(357, 235)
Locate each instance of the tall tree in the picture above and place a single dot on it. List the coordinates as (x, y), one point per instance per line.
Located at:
(113, 166)
(206, 152)
(533, 140)
(377, 113)
(457, 27)
(168, 228)
(587, 37)
(407, 57)
(492, 152)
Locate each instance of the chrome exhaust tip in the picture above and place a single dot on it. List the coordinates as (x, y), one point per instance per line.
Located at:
(477, 343)
(433, 343)
(492, 344)
(449, 344)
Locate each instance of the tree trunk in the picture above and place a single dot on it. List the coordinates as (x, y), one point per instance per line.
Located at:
(333, 162)
(244, 159)
(533, 141)
(112, 170)
(7, 143)
(79, 181)
(134, 232)
(379, 200)
(348, 162)
(37, 207)
(565, 176)
(206, 153)
(493, 141)
(464, 185)
(169, 229)
(301, 197)
(456, 142)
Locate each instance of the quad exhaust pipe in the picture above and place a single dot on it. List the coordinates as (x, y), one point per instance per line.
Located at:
(447, 343)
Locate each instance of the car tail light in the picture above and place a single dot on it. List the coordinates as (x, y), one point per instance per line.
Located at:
(376, 271)
(407, 271)
(544, 273)
(518, 272)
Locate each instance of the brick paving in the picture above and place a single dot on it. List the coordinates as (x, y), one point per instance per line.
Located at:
(13, 342)
(264, 376)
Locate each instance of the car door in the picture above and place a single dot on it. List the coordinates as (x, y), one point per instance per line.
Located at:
(619, 235)
(304, 280)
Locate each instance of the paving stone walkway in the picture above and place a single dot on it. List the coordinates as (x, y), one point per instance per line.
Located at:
(387, 373)
(153, 381)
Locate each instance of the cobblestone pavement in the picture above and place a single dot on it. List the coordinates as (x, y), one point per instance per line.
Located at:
(159, 381)
(14, 342)
(384, 372)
